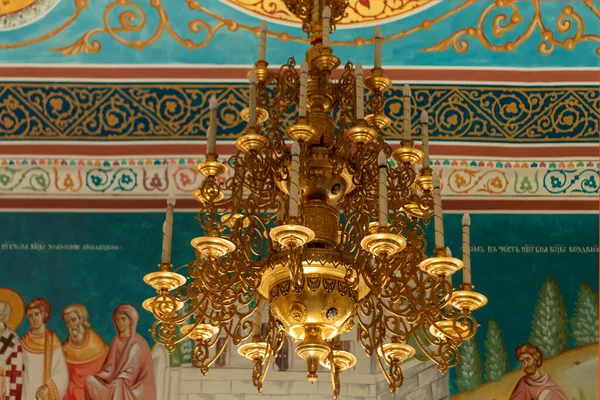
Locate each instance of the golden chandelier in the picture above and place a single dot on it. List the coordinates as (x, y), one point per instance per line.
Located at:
(328, 233)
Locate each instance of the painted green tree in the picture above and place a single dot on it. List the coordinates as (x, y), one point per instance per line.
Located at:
(584, 324)
(496, 359)
(469, 371)
(549, 328)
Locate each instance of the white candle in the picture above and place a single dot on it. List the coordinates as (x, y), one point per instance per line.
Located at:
(326, 26)
(407, 122)
(466, 244)
(383, 201)
(449, 277)
(303, 87)
(294, 180)
(262, 47)
(281, 211)
(425, 137)
(360, 92)
(316, 10)
(168, 231)
(378, 43)
(212, 128)
(252, 119)
(437, 212)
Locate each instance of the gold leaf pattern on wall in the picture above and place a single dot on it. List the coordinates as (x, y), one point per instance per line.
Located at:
(170, 111)
(206, 23)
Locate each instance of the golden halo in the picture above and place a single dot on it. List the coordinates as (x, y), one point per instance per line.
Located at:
(17, 306)
(359, 12)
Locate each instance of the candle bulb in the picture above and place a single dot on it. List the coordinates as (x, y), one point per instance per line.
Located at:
(425, 137)
(262, 47)
(294, 180)
(383, 201)
(252, 119)
(378, 45)
(326, 26)
(437, 212)
(360, 92)
(212, 128)
(303, 87)
(466, 243)
(406, 92)
(168, 231)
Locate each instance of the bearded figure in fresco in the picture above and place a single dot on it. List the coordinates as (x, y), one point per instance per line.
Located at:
(536, 384)
(46, 375)
(85, 351)
(128, 372)
(11, 358)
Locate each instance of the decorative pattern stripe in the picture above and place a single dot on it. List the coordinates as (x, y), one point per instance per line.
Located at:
(41, 111)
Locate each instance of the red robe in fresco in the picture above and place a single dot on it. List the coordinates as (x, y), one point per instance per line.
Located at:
(83, 360)
(544, 388)
(128, 372)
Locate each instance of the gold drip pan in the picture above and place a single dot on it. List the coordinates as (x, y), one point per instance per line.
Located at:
(164, 280)
(379, 120)
(251, 141)
(383, 244)
(437, 266)
(199, 332)
(468, 300)
(451, 329)
(253, 351)
(409, 155)
(165, 306)
(292, 235)
(262, 115)
(398, 352)
(212, 246)
(342, 359)
(211, 168)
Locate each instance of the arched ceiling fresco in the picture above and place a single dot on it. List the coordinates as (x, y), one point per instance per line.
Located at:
(418, 32)
(103, 103)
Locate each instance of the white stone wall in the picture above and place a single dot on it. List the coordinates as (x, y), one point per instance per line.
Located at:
(364, 381)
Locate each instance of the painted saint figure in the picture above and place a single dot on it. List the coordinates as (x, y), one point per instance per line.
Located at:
(128, 372)
(536, 384)
(85, 351)
(11, 357)
(46, 375)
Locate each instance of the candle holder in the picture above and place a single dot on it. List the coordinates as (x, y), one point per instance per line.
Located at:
(440, 265)
(200, 197)
(341, 360)
(361, 132)
(383, 244)
(262, 115)
(164, 279)
(263, 74)
(414, 209)
(452, 329)
(396, 352)
(325, 60)
(164, 307)
(232, 219)
(377, 82)
(211, 167)
(466, 299)
(408, 153)
(251, 140)
(292, 235)
(254, 351)
(425, 181)
(212, 246)
(200, 332)
(379, 121)
(301, 131)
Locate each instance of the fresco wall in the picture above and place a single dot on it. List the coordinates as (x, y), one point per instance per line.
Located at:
(539, 272)
(418, 32)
